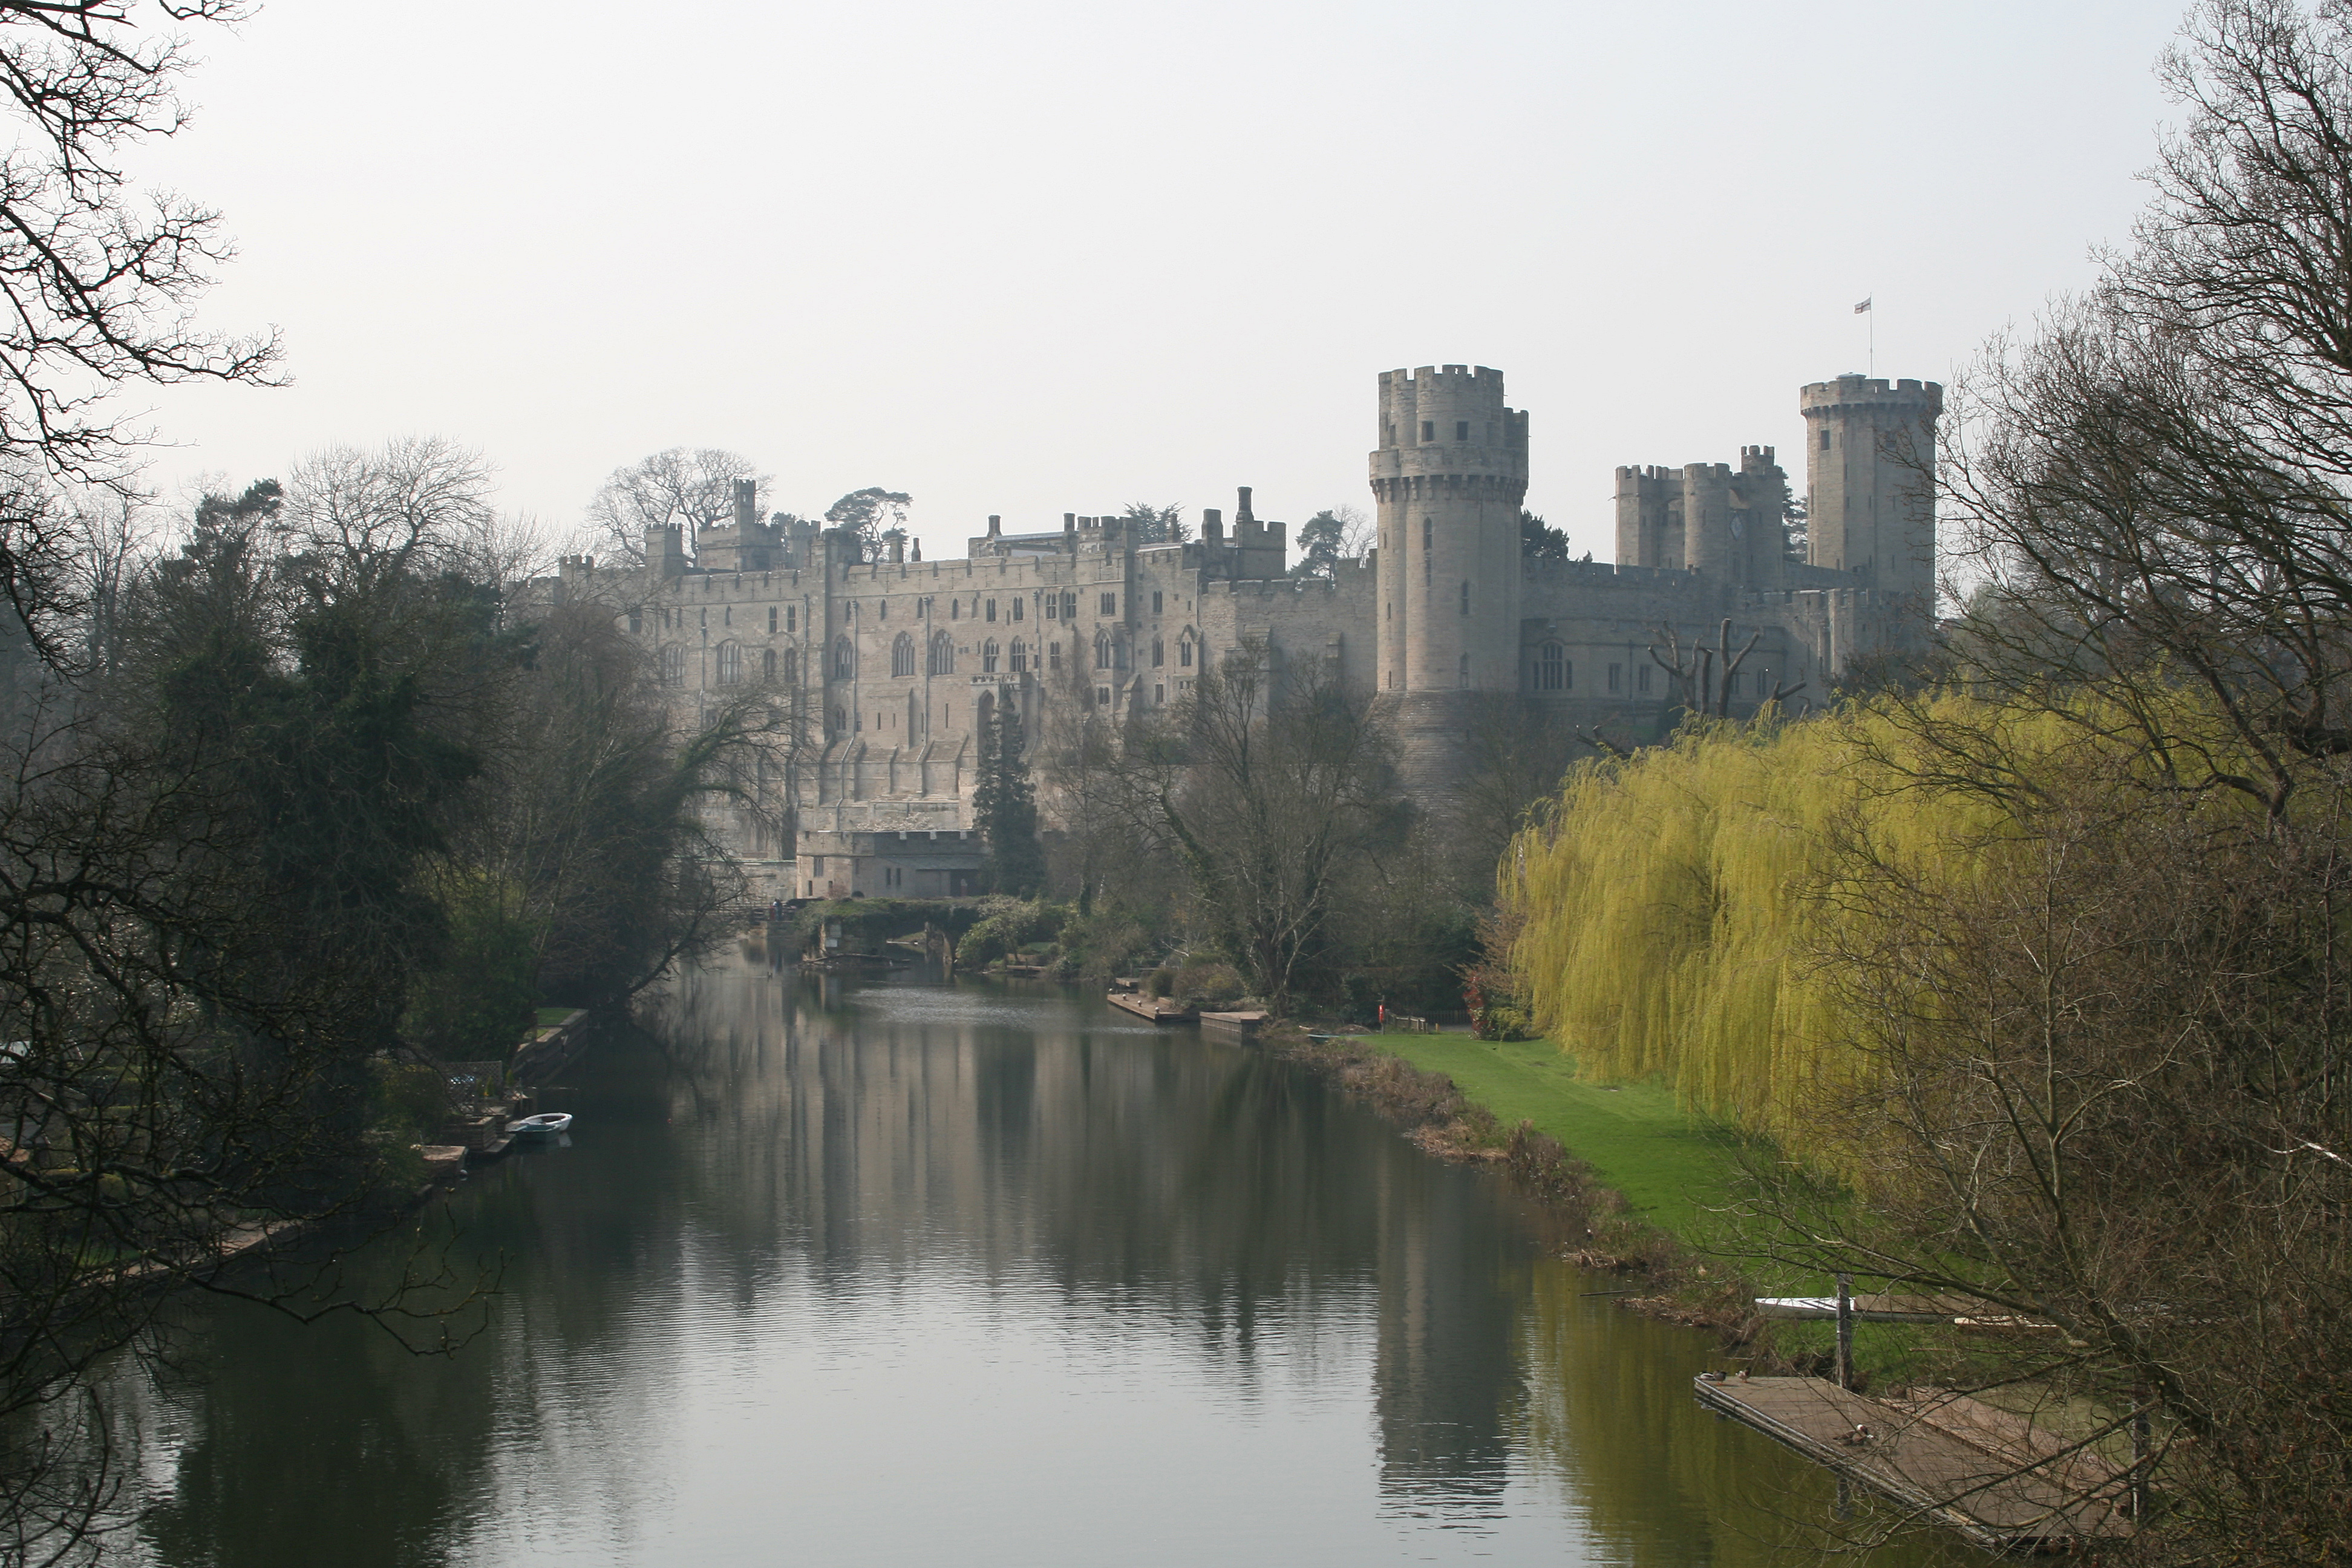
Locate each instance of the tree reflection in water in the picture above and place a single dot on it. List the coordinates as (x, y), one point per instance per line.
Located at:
(910, 1270)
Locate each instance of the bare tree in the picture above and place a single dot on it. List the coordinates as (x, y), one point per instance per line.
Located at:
(693, 488)
(1703, 679)
(1274, 792)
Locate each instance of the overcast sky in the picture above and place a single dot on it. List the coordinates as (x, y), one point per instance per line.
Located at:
(1032, 258)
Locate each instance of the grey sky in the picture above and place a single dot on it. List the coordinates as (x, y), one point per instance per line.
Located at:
(1032, 258)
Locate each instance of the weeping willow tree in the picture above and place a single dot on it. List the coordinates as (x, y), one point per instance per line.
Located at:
(1686, 911)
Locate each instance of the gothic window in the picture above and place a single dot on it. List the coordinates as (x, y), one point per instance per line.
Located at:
(791, 617)
(767, 664)
(1184, 652)
(1052, 602)
(771, 620)
(1159, 653)
(988, 656)
(943, 660)
(1641, 674)
(1554, 671)
(673, 665)
(1102, 650)
(1110, 603)
(1020, 654)
(882, 608)
(726, 617)
(1155, 600)
(1069, 606)
(955, 609)
(1054, 655)
(730, 663)
(792, 667)
(1616, 678)
(1017, 604)
(845, 660)
(902, 655)
(992, 610)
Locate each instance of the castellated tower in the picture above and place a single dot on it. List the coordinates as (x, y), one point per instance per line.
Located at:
(1449, 475)
(1731, 523)
(1870, 449)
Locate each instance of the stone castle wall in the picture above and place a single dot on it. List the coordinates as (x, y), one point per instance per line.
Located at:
(898, 664)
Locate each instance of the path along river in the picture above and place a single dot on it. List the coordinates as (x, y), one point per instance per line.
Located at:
(905, 1273)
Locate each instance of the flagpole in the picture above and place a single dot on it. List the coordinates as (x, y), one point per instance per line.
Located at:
(1873, 314)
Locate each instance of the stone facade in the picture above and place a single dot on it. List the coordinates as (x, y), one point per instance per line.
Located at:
(900, 663)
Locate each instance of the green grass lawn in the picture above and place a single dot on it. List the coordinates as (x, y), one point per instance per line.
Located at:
(1670, 1165)
(550, 1016)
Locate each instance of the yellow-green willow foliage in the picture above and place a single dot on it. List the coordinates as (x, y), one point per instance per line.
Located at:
(1672, 901)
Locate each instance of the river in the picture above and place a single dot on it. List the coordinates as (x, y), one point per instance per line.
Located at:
(904, 1273)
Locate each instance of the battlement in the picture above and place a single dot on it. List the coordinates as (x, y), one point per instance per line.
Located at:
(1849, 391)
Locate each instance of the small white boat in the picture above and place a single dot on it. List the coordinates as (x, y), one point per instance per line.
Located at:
(546, 1122)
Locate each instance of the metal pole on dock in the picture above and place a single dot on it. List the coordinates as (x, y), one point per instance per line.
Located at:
(1846, 1331)
(2140, 1446)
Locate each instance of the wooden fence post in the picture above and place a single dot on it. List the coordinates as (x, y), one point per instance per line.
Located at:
(1846, 1331)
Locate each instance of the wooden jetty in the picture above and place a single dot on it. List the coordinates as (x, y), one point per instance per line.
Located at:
(2004, 1483)
(1233, 1025)
(1158, 1009)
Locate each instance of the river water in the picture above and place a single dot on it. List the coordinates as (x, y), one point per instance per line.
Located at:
(907, 1273)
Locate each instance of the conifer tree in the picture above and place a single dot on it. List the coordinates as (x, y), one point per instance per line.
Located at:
(1006, 808)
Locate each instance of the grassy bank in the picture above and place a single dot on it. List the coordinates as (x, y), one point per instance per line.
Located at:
(1671, 1167)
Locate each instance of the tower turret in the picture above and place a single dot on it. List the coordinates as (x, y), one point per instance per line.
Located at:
(1870, 467)
(1449, 475)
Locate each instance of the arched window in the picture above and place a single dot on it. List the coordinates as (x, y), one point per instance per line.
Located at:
(1184, 652)
(1102, 650)
(1159, 653)
(767, 664)
(673, 665)
(730, 663)
(845, 659)
(1551, 669)
(1020, 654)
(792, 667)
(1465, 598)
(988, 656)
(942, 661)
(902, 655)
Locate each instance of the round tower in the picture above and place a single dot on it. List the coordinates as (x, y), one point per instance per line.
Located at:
(1870, 470)
(1449, 475)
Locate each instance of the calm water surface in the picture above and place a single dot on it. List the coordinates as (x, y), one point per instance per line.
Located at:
(911, 1274)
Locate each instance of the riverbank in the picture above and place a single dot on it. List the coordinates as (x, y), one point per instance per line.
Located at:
(1490, 1113)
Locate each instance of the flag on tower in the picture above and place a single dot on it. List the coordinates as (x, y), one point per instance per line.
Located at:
(1858, 310)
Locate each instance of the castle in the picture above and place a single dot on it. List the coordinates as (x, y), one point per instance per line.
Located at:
(900, 662)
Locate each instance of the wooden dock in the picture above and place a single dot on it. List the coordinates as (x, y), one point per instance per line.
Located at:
(1157, 1009)
(1233, 1025)
(1995, 1477)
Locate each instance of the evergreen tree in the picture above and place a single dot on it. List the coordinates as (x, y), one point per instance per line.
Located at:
(1005, 806)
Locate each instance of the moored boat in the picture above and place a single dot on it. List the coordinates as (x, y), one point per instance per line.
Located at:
(545, 1123)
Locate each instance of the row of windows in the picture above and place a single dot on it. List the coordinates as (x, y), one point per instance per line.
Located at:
(730, 667)
(1429, 431)
(672, 620)
(1054, 607)
(1110, 654)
